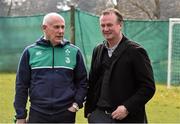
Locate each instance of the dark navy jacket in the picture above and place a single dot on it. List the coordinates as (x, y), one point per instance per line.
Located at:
(52, 76)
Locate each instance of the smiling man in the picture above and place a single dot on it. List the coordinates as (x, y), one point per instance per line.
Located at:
(53, 74)
(121, 78)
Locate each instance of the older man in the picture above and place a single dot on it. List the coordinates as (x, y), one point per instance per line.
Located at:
(52, 73)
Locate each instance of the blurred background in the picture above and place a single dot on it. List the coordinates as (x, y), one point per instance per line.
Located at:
(147, 22)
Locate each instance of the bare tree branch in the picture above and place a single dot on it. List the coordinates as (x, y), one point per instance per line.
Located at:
(156, 11)
(142, 8)
(10, 7)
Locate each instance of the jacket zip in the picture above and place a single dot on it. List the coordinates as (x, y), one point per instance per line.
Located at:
(53, 72)
(53, 57)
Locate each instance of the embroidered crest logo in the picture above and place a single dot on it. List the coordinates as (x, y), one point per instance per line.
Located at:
(67, 52)
(67, 60)
(38, 53)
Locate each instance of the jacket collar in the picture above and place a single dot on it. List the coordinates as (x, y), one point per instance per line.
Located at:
(44, 42)
(119, 44)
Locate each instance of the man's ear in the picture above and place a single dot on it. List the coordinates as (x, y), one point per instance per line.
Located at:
(121, 23)
(43, 27)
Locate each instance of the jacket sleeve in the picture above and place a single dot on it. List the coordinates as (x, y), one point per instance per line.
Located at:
(144, 80)
(80, 80)
(22, 84)
(90, 95)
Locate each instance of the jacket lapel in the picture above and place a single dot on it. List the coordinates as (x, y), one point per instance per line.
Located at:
(120, 50)
(122, 47)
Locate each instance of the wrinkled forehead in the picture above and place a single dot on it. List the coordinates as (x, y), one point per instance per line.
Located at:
(57, 20)
(110, 17)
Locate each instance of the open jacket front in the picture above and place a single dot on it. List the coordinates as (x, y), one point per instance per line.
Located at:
(130, 79)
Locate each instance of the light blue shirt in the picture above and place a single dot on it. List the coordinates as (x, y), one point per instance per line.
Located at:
(111, 50)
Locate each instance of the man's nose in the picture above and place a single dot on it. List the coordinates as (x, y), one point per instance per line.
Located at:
(106, 28)
(61, 30)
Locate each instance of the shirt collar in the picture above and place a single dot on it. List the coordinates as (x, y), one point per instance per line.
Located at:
(112, 48)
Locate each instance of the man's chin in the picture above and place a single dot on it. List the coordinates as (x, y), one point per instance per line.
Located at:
(108, 38)
(59, 40)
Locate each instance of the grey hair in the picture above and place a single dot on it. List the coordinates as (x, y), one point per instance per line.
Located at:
(47, 17)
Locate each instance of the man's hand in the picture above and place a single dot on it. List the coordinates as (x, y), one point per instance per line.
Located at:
(21, 121)
(89, 114)
(120, 113)
(72, 108)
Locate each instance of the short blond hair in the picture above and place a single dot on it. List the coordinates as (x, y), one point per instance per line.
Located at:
(115, 11)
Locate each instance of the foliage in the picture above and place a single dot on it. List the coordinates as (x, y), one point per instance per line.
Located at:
(163, 108)
(131, 9)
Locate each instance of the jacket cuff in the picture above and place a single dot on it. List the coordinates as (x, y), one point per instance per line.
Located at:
(21, 115)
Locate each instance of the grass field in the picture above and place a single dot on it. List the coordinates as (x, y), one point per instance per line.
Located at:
(163, 108)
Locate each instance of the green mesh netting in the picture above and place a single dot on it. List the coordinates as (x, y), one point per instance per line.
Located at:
(18, 32)
(175, 56)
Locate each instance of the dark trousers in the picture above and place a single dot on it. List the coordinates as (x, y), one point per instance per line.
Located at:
(100, 116)
(103, 116)
(62, 117)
